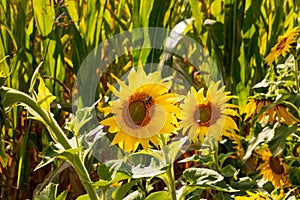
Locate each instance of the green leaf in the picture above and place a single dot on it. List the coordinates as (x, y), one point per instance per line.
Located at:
(44, 15)
(277, 144)
(120, 192)
(120, 176)
(196, 10)
(49, 193)
(136, 195)
(83, 116)
(45, 97)
(84, 197)
(3, 156)
(265, 135)
(216, 29)
(104, 172)
(34, 77)
(161, 195)
(140, 171)
(52, 151)
(62, 195)
(2, 78)
(48, 154)
(202, 176)
(229, 171)
(173, 149)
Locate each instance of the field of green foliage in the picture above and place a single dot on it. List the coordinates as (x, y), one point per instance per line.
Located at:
(150, 99)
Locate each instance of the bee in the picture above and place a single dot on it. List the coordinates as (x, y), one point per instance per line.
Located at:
(148, 99)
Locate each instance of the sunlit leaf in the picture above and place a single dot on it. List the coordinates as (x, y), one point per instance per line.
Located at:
(266, 135)
(202, 176)
(2, 78)
(49, 193)
(136, 195)
(162, 195)
(120, 176)
(120, 192)
(45, 97)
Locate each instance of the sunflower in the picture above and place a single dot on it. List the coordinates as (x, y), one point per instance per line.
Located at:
(283, 45)
(255, 106)
(260, 195)
(144, 108)
(207, 115)
(237, 144)
(253, 196)
(273, 169)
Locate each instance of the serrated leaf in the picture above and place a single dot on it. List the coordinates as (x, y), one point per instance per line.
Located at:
(45, 97)
(49, 193)
(48, 155)
(52, 151)
(173, 149)
(161, 195)
(149, 171)
(266, 135)
(83, 116)
(201, 176)
(264, 83)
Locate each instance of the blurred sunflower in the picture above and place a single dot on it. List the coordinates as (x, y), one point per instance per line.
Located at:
(143, 110)
(237, 144)
(283, 45)
(259, 195)
(253, 196)
(255, 106)
(207, 115)
(273, 169)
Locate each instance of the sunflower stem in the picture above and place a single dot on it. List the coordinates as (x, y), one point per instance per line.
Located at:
(13, 97)
(169, 177)
(171, 182)
(296, 74)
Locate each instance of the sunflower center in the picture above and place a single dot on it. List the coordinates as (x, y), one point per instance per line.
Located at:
(139, 108)
(281, 44)
(207, 114)
(203, 115)
(275, 165)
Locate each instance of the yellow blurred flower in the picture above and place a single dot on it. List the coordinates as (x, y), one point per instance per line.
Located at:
(283, 45)
(253, 196)
(208, 115)
(272, 169)
(259, 195)
(143, 110)
(255, 106)
(237, 144)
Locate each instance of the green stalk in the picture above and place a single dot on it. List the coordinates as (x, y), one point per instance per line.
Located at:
(296, 74)
(12, 96)
(84, 177)
(171, 182)
(168, 177)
